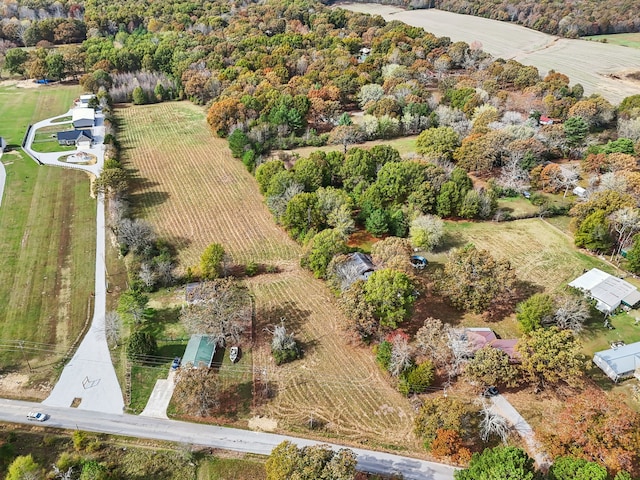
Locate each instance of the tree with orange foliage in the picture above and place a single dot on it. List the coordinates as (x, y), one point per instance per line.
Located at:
(598, 427)
(224, 114)
(449, 444)
(550, 178)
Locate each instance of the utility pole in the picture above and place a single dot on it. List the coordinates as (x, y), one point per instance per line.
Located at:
(21, 345)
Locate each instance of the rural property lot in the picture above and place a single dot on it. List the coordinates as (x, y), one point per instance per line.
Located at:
(191, 189)
(47, 233)
(587, 63)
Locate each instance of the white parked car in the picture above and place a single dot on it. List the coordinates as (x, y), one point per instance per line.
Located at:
(37, 416)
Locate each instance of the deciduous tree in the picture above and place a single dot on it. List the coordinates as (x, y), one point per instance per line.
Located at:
(222, 311)
(535, 311)
(498, 462)
(472, 280)
(597, 427)
(288, 462)
(391, 296)
(492, 366)
(550, 356)
(197, 391)
(426, 232)
(211, 261)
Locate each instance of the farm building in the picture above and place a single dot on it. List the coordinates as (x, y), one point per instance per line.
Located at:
(608, 291)
(619, 363)
(481, 337)
(83, 117)
(199, 352)
(85, 99)
(357, 266)
(3, 144)
(79, 138)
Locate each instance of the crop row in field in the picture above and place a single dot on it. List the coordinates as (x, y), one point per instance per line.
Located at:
(191, 188)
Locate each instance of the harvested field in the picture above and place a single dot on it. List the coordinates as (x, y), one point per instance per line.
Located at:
(599, 67)
(192, 190)
(47, 235)
(189, 187)
(338, 385)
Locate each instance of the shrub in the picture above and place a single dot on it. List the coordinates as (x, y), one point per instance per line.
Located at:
(251, 269)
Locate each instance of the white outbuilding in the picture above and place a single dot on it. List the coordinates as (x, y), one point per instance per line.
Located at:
(619, 363)
(608, 291)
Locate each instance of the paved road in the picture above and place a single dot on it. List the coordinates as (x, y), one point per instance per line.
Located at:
(502, 407)
(216, 437)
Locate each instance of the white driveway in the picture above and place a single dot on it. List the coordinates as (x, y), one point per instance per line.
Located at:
(52, 158)
(502, 407)
(160, 397)
(89, 376)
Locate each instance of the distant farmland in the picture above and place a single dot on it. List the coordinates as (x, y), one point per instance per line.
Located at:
(591, 64)
(624, 39)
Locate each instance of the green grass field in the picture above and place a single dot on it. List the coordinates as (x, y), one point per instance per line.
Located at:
(47, 238)
(625, 39)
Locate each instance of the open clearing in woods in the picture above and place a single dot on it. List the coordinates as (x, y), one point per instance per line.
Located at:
(599, 67)
(47, 238)
(539, 252)
(195, 193)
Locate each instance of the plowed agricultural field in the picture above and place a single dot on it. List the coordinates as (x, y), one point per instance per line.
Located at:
(192, 190)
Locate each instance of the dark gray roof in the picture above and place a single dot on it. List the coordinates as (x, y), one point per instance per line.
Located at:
(357, 266)
(74, 135)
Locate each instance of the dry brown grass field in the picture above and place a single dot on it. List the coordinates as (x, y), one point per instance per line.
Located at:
(194, 192)
(599, 67)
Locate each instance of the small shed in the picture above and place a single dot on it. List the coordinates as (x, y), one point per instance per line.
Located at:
(199, 352)
(580, 192)
(357, 266)
(83, 117)
(619, 363)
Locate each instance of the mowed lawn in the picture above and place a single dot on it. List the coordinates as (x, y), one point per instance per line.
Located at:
(539, 252)
(195, 193)
(47, 237)
(625, 39)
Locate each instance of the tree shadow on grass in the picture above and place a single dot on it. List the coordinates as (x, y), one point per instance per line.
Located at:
(149, 198)
(236, 400)
(161, 318)
(290, 312)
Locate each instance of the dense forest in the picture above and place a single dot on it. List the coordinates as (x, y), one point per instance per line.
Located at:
(557, 17)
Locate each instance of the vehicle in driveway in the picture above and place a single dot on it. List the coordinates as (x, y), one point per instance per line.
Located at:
(233, 354)
(37, 416)
(490, 392)
(175, 364)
